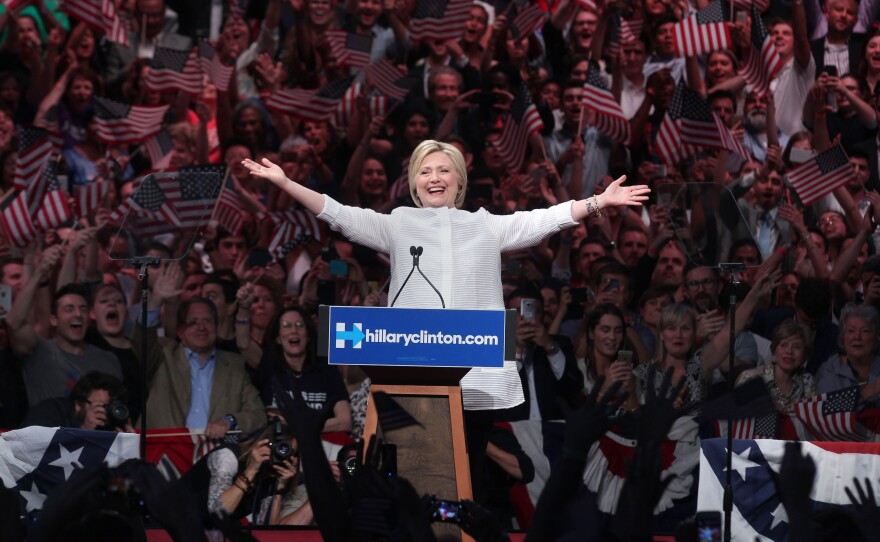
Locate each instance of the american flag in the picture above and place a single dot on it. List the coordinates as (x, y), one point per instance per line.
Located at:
(345, 108)
(756, 427)
(90, 196)
(388, 80)
(100, 15)
(53, 209)
(34, 150)
(311, 105)
(292, 228)
(350, 49)
(16, 221)
(439, 19)
(609, 116)
(763, 61)
(701, 127)
(668, 141)
(400, 187)
(623, 32)
(120, 123)
(522, 121)
(228, 212)
(195, 193)
(212, 65)
(527, 21)
(821, 174)
(36, 460)
(174, 70)
(159, 148)
(831, 416)
(703, 32)
(154, 211)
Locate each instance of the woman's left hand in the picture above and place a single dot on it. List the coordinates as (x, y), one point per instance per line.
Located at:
(286, 472)
(616, 194)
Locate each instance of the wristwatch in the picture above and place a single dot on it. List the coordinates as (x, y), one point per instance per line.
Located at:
(233, 423)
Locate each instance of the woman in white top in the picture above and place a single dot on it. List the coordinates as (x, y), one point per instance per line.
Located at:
(461, 250)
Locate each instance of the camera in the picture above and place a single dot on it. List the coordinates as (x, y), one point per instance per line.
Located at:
(279, 444)
(117, 414)
(445, 511)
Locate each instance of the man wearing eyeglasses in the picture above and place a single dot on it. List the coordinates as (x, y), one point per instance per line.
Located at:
(192, 383)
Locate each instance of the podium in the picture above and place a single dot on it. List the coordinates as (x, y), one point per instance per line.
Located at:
(418, 357)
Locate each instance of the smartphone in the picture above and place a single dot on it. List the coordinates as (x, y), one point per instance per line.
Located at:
(741, 17)
(625, 356)
(338, 268)
(660, 171)
(486, 100)
(611, 285)
(538, 173)
(446, 511)
(528, 309)
(5, 300)
(664, 198)
(708, 526)
(578, 304)
(830, 70)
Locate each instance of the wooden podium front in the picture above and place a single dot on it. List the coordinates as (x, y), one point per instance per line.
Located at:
(433, 458)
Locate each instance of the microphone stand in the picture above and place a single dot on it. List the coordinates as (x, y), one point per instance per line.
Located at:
(144, 262)
(733, 269)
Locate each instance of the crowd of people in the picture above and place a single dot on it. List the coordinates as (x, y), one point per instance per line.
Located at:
(623, 292)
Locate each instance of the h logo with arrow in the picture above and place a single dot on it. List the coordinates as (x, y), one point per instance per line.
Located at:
(356, 335)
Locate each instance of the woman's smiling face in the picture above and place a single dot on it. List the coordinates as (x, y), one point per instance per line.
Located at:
(437, 183)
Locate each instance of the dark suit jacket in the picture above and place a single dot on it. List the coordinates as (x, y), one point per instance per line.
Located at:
(869, 147)
(553, 396)
(171, 392)
(856, 45)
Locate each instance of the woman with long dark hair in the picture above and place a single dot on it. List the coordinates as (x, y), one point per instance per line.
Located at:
(290, 357)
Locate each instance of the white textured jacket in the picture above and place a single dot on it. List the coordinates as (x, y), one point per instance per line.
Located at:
(462, 258)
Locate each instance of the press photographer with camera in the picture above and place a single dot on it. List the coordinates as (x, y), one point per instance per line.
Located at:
(247, 477)
(97, 401)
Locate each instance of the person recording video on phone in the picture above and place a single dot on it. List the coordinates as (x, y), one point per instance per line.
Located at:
(546, 363)
(460, 252)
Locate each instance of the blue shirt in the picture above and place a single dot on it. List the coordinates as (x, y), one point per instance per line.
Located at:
(201, 379)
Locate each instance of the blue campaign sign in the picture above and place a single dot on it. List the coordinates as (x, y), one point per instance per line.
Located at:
(416, 337)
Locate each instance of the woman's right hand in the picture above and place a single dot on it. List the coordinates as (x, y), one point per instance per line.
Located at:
(268, 170)
(258, 455)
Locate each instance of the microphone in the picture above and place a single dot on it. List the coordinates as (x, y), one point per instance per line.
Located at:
(415, 252)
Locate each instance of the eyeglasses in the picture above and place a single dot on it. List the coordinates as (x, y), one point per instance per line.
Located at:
(833, 219)
(208, 322)
(297, 325)
(705, 283)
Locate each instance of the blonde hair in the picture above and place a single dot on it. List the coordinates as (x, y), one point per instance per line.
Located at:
(429, 146)
(672, 315)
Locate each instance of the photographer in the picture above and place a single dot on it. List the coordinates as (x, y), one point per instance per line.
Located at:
(98, 401)
(245, 478)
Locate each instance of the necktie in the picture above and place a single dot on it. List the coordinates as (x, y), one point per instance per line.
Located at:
(765, 235)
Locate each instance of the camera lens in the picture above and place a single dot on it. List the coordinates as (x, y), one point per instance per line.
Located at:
(117, 411)
(282, 450)
(350, 465)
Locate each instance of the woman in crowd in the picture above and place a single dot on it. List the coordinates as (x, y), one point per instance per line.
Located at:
(859, 364)
(232, 477)
(785, 378)
(677, 346)
(290, 357)
(598, 350)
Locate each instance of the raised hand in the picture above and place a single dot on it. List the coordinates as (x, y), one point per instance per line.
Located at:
(267, 170)
(616, 194)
